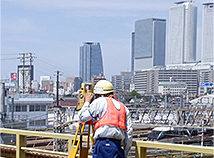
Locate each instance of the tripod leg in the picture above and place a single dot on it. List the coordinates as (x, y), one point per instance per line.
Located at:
(92, 135)
(77, 143)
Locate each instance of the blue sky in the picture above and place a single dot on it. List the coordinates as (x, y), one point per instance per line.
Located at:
(55, 29)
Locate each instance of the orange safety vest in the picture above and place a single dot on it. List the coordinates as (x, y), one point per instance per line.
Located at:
(112, 116)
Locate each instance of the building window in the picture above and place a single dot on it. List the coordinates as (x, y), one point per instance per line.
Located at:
(18, 108)
(43, 107)
(24, 107)
(42, 122)
(11, 108)
(37, 123)
(31, 107)
(31, 123)
(37, 107)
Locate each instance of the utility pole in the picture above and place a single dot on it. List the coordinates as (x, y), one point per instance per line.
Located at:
(31, 63)
(59, 119)
(57, 88)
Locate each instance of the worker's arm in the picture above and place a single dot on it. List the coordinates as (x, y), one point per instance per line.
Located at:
(94, 111)
(128, 133)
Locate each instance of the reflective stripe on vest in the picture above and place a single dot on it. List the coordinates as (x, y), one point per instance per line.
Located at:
(112, 116)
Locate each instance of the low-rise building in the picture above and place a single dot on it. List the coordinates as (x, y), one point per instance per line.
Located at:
(27, 111)
(123, 82)
(172, 88)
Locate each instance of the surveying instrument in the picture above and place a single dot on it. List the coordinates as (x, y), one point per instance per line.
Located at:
(79, 149)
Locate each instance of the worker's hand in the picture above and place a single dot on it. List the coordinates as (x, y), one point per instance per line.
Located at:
(89, 97)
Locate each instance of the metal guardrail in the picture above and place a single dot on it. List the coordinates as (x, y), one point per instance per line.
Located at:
(20, 141)
(140, 146)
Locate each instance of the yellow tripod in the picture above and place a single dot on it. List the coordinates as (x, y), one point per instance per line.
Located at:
(77, 146)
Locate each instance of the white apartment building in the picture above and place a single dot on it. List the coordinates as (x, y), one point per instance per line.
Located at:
(208, 34)
(172, 88)
(182, 33)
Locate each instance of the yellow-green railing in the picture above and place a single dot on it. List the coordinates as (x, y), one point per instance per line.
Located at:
(140, 146)
(20, 141)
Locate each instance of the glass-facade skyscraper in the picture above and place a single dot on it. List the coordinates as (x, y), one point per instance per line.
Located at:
(90, 61)
(208, 34)
(149, 43)
(182, 33)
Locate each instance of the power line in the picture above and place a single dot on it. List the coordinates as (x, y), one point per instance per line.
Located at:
(47, 63)
(10, 54)
(59, 64)
(9, 59)
(65, 74)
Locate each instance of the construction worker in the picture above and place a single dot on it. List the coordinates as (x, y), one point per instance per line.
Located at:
(111, 120)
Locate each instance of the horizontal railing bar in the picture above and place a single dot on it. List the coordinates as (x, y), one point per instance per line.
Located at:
(141, 144)
(44, 151)
(177, 147)
(8, 146)
(36, 133)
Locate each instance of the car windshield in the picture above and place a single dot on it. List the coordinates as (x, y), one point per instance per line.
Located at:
(154, 134)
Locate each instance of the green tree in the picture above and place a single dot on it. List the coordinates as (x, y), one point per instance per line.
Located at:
(134, 93)
(206, 93)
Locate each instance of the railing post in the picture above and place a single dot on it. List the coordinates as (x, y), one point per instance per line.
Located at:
(69, 145)
(20, 142)
(140, 152)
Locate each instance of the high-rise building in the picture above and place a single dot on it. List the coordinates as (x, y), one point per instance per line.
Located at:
(90, 61)
(77, 83)
(149, 43)
(95, 79)
(132, 52)
(25, 76)
(182, 33)
(208, 34)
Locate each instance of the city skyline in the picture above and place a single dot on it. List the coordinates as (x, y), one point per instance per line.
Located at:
(54, 31)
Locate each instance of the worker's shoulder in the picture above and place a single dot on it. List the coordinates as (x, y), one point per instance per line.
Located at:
(100, 99)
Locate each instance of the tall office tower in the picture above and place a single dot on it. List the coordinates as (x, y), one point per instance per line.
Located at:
(208, 34)
(91, 63)
(132, 52)
(149, 43)
(182, 33)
